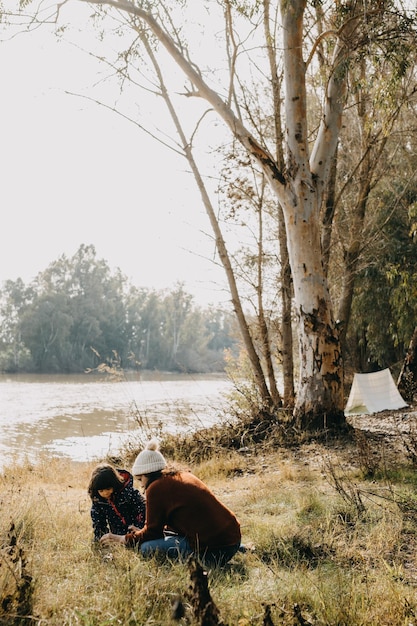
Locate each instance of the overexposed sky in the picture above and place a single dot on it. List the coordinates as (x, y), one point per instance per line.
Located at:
(75, 173)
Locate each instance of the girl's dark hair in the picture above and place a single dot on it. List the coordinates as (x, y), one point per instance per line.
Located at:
(104, 477)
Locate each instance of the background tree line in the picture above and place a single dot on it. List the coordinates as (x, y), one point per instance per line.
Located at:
(78, 313)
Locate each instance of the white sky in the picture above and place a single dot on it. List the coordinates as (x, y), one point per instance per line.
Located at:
(72, 173)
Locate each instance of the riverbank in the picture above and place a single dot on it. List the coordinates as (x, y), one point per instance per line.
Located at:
(332, 525)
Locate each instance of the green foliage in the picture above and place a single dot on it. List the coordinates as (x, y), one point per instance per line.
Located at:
(385, 305)
(77, 314)
(247, 9)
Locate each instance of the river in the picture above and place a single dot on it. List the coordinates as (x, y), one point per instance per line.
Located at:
(85, 417)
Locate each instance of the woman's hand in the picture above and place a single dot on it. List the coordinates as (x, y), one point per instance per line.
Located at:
(133, 528)
(110, 538)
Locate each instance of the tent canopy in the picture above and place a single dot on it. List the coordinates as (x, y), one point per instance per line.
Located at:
(374, 392)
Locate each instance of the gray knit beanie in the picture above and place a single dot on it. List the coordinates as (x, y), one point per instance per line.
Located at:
(149, 460)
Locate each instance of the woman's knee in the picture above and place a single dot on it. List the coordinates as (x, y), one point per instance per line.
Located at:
(172, 547)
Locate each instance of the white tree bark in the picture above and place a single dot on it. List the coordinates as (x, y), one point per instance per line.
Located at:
(320, 391)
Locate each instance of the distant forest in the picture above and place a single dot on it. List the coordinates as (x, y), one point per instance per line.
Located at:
(78, 315)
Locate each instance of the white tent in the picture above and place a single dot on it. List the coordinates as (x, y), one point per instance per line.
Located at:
(374, 392)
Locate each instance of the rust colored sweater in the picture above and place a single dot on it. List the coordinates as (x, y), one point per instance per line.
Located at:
(181, 502)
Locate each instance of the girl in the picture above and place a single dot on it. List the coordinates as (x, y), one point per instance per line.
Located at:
(183, 516)
(116, 505)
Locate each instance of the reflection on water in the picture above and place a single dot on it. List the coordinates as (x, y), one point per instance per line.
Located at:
(85, 417)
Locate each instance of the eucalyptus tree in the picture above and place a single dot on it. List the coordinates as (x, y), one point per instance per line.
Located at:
(382, 88)
(407, 379)
(272, 45)
(299, 183)
(265, 382)
(383, 309)
(385, 304)
(246, 204)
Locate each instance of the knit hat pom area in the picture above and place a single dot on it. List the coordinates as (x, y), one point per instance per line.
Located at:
(149, 460)
(153, 444)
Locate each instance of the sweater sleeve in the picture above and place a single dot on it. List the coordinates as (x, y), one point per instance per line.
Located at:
(99, 520)
(155, 519)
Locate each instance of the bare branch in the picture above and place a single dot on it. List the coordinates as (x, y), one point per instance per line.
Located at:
(220, 106)
(126, 117)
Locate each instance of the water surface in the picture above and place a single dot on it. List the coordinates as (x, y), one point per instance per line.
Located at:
(85, 417)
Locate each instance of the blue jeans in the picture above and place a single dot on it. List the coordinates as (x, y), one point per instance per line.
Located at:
(173, 546)
(176, 547)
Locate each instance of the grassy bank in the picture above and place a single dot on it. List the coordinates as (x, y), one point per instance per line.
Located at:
(334, 544)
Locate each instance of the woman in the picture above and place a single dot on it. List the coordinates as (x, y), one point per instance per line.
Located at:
(183, 516)
(115, 503)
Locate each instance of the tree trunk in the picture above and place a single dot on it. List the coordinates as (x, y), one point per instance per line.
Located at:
(328, 215)
(287, 348)
(320, 397)
(407, 380)
(286, 324)
(319, 401)
(263, 326)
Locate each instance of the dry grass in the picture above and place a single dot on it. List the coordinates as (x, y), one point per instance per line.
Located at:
(318, 559)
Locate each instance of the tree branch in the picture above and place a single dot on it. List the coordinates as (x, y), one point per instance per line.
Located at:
(223, 110)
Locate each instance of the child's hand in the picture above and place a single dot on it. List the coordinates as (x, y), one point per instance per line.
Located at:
(133, 528)
(110, 538)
